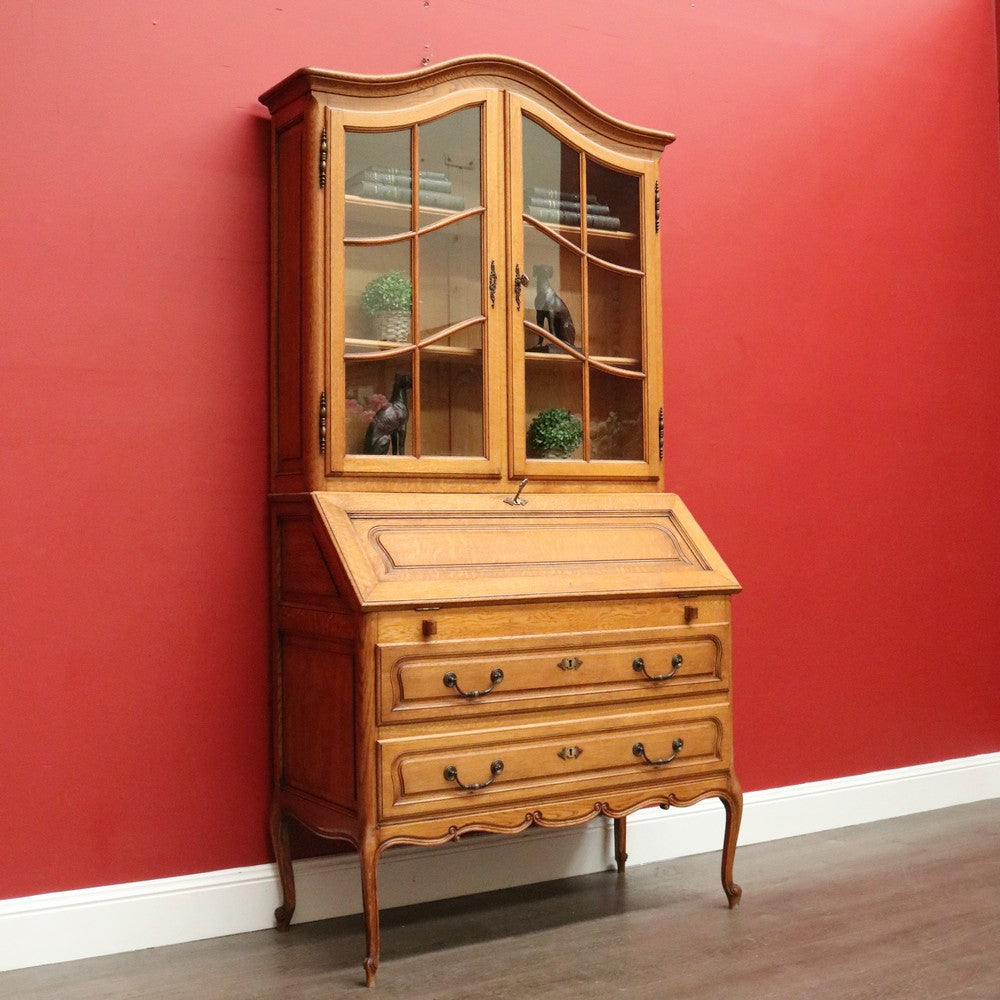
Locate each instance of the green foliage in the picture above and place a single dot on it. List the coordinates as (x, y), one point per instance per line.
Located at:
(555, 432)
(391, 292)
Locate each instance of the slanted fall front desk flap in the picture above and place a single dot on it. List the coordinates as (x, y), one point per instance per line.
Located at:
(405, 549)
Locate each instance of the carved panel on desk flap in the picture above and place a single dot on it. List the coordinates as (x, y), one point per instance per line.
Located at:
(465, 544)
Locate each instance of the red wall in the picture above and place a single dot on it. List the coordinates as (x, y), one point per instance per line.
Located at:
(832, 303)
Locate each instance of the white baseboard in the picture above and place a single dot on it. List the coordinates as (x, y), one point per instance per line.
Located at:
(64, 926)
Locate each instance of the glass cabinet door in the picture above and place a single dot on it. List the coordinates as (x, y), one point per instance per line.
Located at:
(580, 326)
(415, 301)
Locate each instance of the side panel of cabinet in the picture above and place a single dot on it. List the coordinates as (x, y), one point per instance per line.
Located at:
(316, 707)
(286, 296)
(296, 432)
(314, 674)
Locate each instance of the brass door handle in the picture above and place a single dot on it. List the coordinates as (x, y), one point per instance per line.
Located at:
(520, 280)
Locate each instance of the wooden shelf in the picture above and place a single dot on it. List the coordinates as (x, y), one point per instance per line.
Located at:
(394, 217)
(358, 349)
(392, 214)
(572, 233)
(560, 358)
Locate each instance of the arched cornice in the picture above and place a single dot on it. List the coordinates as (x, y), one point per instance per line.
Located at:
(529, 78)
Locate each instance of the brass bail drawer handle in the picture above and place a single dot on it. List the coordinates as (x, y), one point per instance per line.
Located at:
(639, 750)
(639, 666)
(451, 774)
(451, 681)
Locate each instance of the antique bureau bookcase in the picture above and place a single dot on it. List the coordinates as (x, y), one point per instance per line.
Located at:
(487, 614)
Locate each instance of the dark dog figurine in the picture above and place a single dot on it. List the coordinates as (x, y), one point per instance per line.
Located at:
(387, 431)
(549, 307)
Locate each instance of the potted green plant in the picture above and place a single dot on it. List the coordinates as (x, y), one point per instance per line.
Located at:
(388, 300)
(554, 433)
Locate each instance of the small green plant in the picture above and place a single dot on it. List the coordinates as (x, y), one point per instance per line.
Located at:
(391, 292)
(555, 432)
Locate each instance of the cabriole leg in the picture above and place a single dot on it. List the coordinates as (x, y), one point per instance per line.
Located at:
(369, 895)
(734, 813)
(621, 856)
(283, 857)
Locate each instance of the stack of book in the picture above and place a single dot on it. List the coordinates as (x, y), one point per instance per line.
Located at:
(392, 184)
(563, 209)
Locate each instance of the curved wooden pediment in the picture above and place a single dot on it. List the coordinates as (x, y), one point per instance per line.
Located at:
(467, 71)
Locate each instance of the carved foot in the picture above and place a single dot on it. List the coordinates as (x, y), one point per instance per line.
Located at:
(369, 896)
(733, 802)
(283, 858)
(621, 855)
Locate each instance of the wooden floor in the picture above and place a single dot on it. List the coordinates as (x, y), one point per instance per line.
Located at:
(908, 908)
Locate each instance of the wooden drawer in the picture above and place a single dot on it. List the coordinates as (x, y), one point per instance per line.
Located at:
(552, 619)
(477, 677)
(423, 774)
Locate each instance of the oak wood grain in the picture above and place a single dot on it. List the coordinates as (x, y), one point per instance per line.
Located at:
(448, 661)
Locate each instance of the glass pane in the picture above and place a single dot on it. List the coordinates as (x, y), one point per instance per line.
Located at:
(378, 183)
(552, 298)
(553, 389)
(450, 178)
(451, 395)
(551, 180)
(451, 278)
(613, 215)
(378, 294)
(615, 417)
(614, 304)
(377, 408)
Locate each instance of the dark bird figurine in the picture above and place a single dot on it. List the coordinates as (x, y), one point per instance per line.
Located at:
(387, 431)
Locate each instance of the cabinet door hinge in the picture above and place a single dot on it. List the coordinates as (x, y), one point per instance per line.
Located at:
(322, 423)
(656, 204)
(322, 158)
(661, 433)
